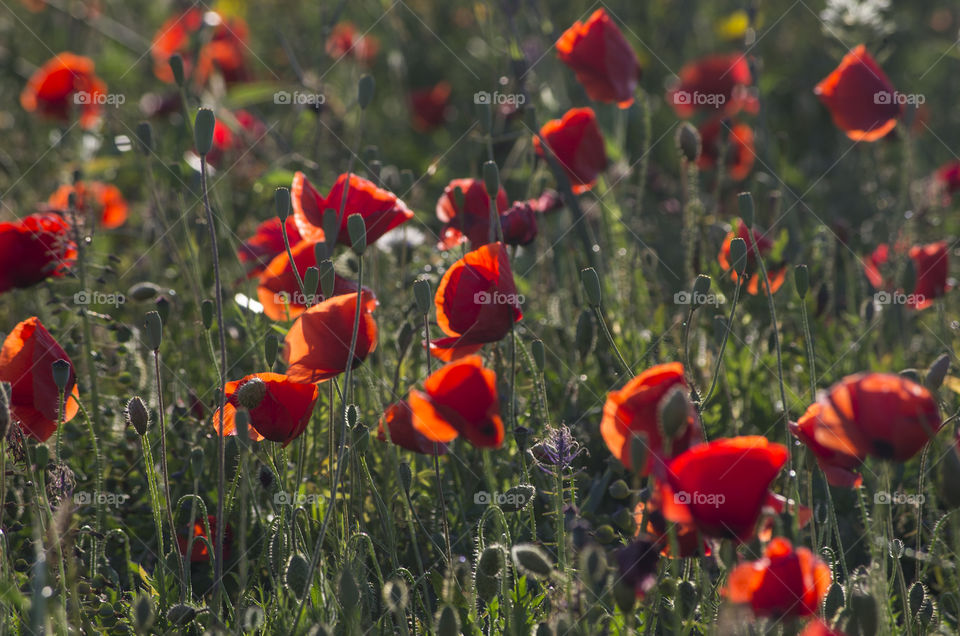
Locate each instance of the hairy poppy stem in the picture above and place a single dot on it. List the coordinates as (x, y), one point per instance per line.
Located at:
(723, 344)
(166, 474)
(609, 337)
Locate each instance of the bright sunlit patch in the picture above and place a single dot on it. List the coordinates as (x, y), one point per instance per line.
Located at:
(248, 303)
(123, 143)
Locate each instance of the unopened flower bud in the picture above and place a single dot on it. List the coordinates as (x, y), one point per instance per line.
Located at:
(688, 140)
(591, 286)
(203, 130)
(137, 415)
(423, 295)
(357, 230)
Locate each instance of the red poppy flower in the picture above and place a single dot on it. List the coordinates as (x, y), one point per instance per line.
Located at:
(318, 343)
(651, 523)
(860, 97)
(64, 83)
(879, 414)
(381, 210)
(817, 627)
(948, 177)
(103, 199)
(722, 486)
(738, 143)
(26, 363)
(714, 83)
(266, 243)
(785, 582)
(930, 263)
(476, 301)
(604, 62)
(282, 414)
(776, 273)
(577, 143)
(248, 131)
(224, 51)
(472, 223)
(634, 410)
(343, 40)
(838, 466)
(777, 505)
(199, 552)
(279, 292)
(428, 106)
(34, 248)
(398, 420)
(460, 398)
(637, 564)
(519, 224)
(874, 263)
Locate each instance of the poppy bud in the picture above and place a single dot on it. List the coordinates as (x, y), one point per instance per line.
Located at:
(673, 412)
(747, 208)
(833, 602)
(937, 372)
(532, 559)
(61, 374)
(396, 595)
(593, 561)
(491, 560)
(365, 91)
(281, 198)
(406, 476)
(448, 621)
(153, 330)
(625, 596)
(864, 607)
(539, 355)
(585, 334)
(688, 140)
(143, 290)
(311, 280)
(163, 308)
(423, 295)
(926, 612)
(176, 65)
(487, 586)
(352, 414)
(801, 280)
(738, 255)
(591, 285)
(357, 229)
(917, 593)
(686, 598)
(701, 287)
(196, 461)
(241, 422)
(144, 134)
(5, 389)
(203, 130)
(639, 449)
(491, 178)
(181, 615)
(327, 276)
(297, 575)
(517, 497)
(137, 415)
(206, 313)
(143, 614)
(251, 393)
(624, 520)
(270, 347)
(349, 592)
(331, 228)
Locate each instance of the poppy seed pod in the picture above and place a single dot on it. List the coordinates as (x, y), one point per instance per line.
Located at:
(423, 295)
(491, 178)
(137, 415)
(153, 330)
(801, 279)
(365, 90)
(281, 198)
(251, 393)
(532, 559)
(176, 67)
(61, 373)
(203, 127)
(688, 140)
(747, 208)
(144, 134)
(206, 313)
(357, 229)
(311, 280)
(591, 286)
(738, 255)
(352, 414)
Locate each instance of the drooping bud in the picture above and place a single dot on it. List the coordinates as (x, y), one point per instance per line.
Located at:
(349, 592)
(619, 489)
(137, 415)
(532, 559)
(203, 130)
(937, 372)
(176, 66)
(251, 393)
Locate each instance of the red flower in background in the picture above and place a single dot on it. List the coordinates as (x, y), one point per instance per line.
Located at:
(879, 414)
(519, 224)
(714, 83)
(948, 177)
(930, 265)
(722, 486)
(874, 263)
(343, 40)
(577, 143)
(398, 422)
(318, 343)
(776, 273)
(279, 292)
(94, 197)
(459, 399)
(266, 243)
(634, 410)
(34, 248)
(65, 84)
(837, 465)
(199, 552)
(785, 582)
(604, 62)
(282, 414)
(26, 363)
(472, 223)
(816, 627)
(225, 50)
(428, 106)
(381, 210)
(246, 132)
(651, 523)
(738, 145)
(476, 301)
(860, 97)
